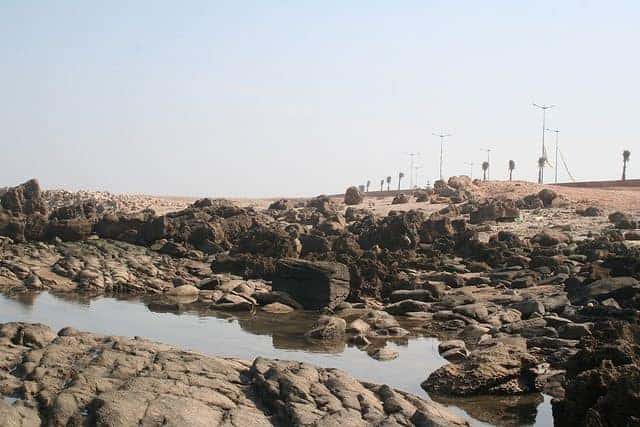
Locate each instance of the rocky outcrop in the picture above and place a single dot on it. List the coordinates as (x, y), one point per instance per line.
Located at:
(603, 379)
(393, 232)
(96, 266)
(78, 378)
(315, 285)
(495, 369)
(24, 199)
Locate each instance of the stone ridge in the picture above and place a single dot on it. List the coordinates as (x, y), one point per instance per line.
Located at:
(77, 378)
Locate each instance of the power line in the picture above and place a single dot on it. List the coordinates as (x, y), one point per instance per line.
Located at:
(564, 162)
(556, 131)
(442, 136)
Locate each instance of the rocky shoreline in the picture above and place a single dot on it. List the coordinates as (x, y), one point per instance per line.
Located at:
(517, 290)
(79, 378)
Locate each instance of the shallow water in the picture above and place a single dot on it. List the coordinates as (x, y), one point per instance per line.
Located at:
(247, 336)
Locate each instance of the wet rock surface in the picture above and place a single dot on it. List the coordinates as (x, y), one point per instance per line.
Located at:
(78, 378)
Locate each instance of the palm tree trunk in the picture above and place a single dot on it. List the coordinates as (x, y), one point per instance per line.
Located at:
(388, 186)
(510, 174)
(484, 175)
(398, 185)
(624, 171)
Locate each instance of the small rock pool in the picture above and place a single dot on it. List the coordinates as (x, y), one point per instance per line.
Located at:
(247, 336)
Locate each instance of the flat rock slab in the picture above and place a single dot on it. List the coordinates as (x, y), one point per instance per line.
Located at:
(79, 378)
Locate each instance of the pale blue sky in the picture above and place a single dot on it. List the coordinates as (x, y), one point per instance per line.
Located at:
(260, 98)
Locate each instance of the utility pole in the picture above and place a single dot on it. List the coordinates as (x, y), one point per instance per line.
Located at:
(470, 164)
(411, 156)
(556, 131)
(442, 136)
(488, 150)
(544, 109)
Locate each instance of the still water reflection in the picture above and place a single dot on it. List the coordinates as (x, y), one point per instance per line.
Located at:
(247, 336)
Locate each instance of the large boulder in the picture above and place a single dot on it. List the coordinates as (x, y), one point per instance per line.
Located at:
(498, 369)
(547, 196)
(495, 210)
(602, 289)
(282, 205)
(400, 199)
(327, 328)
(353, 196)
(460, 182)
(315, 285)
(24, 199)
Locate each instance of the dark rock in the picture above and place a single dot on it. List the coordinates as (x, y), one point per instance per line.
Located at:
(400, 199)
(407, 306)
(268, 242)
(532, 201)
(592, 211)
(69, 230)
(315, 285)
(603, 379)
(601, 289)
(549, 237)
(393, 232)
(494, 210)
(281, 205)
(353, 196)
(547, 196)
(245, 265)
(25, 198)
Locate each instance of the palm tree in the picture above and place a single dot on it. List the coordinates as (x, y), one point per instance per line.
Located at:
(388, 183)
(541, 162)
(625, 159)
(485, 168)
(381, 184)
(400, 176)
(512, 166)
(368, 184)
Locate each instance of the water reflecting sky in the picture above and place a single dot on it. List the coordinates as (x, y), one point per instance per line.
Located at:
(248, 336)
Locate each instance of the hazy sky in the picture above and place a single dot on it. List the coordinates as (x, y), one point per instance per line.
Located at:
(260, 98)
